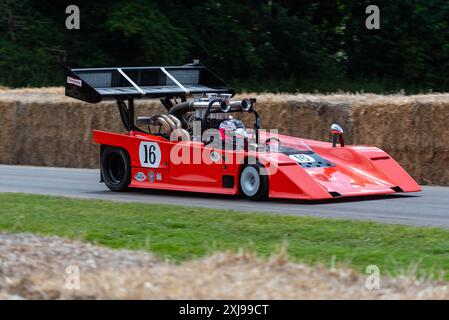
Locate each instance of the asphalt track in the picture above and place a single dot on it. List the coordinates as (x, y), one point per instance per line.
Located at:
(427, 208)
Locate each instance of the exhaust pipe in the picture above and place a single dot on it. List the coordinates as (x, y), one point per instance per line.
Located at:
(176, 121)
(164, 124)
(169, 121)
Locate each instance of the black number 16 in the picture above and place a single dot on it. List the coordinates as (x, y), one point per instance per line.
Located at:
(150, 155)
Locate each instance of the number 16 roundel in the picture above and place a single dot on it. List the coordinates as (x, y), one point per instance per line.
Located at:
(149, 154)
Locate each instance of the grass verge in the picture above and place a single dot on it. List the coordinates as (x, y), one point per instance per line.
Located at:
(180, 233)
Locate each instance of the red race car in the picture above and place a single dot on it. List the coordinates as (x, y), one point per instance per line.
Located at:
(198, 145)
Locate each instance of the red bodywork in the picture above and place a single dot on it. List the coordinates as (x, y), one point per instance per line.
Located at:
(357, 170)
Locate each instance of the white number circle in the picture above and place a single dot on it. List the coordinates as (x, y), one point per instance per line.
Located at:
(149, 154)
(302, 158)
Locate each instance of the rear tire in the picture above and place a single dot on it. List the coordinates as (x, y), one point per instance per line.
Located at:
(116, 169)
(253, 184)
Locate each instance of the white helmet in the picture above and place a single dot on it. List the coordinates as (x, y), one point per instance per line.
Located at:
(233, 127)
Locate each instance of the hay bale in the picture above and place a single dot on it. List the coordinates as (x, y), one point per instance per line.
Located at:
(413, 132)
(301, 117)
(43, 127)
(7, 125)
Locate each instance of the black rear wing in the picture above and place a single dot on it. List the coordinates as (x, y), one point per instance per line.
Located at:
(97, 84)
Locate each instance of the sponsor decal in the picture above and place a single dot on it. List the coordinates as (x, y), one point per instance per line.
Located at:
(158, 176)
(76, 82)
(140, 176)
(301, 158)
(151, 176)
(149, 154)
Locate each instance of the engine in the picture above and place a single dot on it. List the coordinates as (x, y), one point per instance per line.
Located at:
(209, 111)
(201, 104)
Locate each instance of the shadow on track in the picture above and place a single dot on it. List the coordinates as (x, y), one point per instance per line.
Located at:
(199, 195)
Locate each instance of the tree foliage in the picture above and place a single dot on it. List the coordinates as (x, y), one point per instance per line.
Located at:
(282, 45)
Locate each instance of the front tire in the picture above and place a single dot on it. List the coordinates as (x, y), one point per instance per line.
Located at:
(116, 169)
(253, 184)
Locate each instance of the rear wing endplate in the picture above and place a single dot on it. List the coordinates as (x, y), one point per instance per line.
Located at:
(96, 84)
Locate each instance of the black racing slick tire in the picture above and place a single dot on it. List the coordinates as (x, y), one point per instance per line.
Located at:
(116, 169)
(253, 184)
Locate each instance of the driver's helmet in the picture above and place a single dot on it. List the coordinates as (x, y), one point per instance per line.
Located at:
(231, 128)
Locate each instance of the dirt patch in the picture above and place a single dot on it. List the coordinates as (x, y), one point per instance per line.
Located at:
(43, 127)
(35, 267)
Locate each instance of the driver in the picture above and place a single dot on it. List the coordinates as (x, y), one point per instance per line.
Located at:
(235, 130)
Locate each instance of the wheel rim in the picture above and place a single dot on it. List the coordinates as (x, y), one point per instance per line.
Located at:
(250, 181)
(116, 169)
